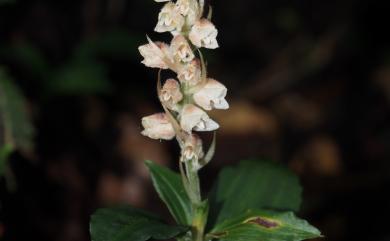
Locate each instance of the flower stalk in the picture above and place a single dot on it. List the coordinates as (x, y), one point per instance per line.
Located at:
(187, 99)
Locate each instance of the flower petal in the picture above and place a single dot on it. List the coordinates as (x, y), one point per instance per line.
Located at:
(193, 117)
(157, 126)
(169, 19)
(171, 94)
(204, 34)
(211, 95)
(154, 54)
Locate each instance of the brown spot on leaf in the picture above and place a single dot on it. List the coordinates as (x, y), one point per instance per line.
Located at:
(266, 223)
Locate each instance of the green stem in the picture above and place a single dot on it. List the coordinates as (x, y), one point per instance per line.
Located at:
(199, 207)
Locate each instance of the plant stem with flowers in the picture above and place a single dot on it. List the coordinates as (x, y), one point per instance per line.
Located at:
(185, 101)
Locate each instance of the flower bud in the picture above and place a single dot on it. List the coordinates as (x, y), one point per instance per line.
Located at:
(169, 19)
(204, 34)
(190, 73)
(192, 149)
(154, 54)
(212, 95)
(181, 50)
(157, 126)
(193, 117)
(170, 94)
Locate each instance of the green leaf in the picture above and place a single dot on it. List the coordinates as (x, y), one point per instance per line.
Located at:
(125, 223)
(17, 129)
(253, 185)
(170, 188)
(5, 151)
(265, 226)
(80, 78)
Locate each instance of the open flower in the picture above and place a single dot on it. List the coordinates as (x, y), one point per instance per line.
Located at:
(189, 9)
(204, 34)
(192, 149)
(193, 117)
(155, 54)
(170, 94)
(169, 19)
(212, 95)
(181, 50)
(159, 1)
(190, 73)
(157, 126)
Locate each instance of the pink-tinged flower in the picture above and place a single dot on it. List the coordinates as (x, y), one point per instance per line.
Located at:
(170, 94)
(160, 1)
(155, 54)
(192, 149)
(212, 95)
(157, 126)
(189, 9)
(204, 34)
(169, 19)
(193, 118)
(190, 73)
(181, 50)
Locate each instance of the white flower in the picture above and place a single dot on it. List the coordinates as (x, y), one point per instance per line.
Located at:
(190, 73)
(189, 9)
(160, 1)
(181, 50)
(155, 54)
(204, 34)
(212, 95)
(169, 19)
(170, 94)
(193, 117)
(157, 126)
(192, 149)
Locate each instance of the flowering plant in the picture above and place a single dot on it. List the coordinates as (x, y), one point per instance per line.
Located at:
(246, 201)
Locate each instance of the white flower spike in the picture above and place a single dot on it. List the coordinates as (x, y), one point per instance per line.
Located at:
(193, 118)
(169, 19)
(157, 126)
(170, 94)
(204, 34)
(212, 95)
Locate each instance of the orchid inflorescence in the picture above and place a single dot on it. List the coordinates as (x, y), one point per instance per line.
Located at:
(187, 99)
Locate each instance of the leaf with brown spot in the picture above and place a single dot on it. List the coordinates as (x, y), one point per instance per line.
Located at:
(255, 225)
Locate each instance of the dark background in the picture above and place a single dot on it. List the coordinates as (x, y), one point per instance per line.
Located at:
(309, 86)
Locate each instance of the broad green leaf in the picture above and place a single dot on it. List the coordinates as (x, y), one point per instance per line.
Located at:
(169, 187)
(17, 129)
(253, 185)
(265, 226)
(125, 223)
